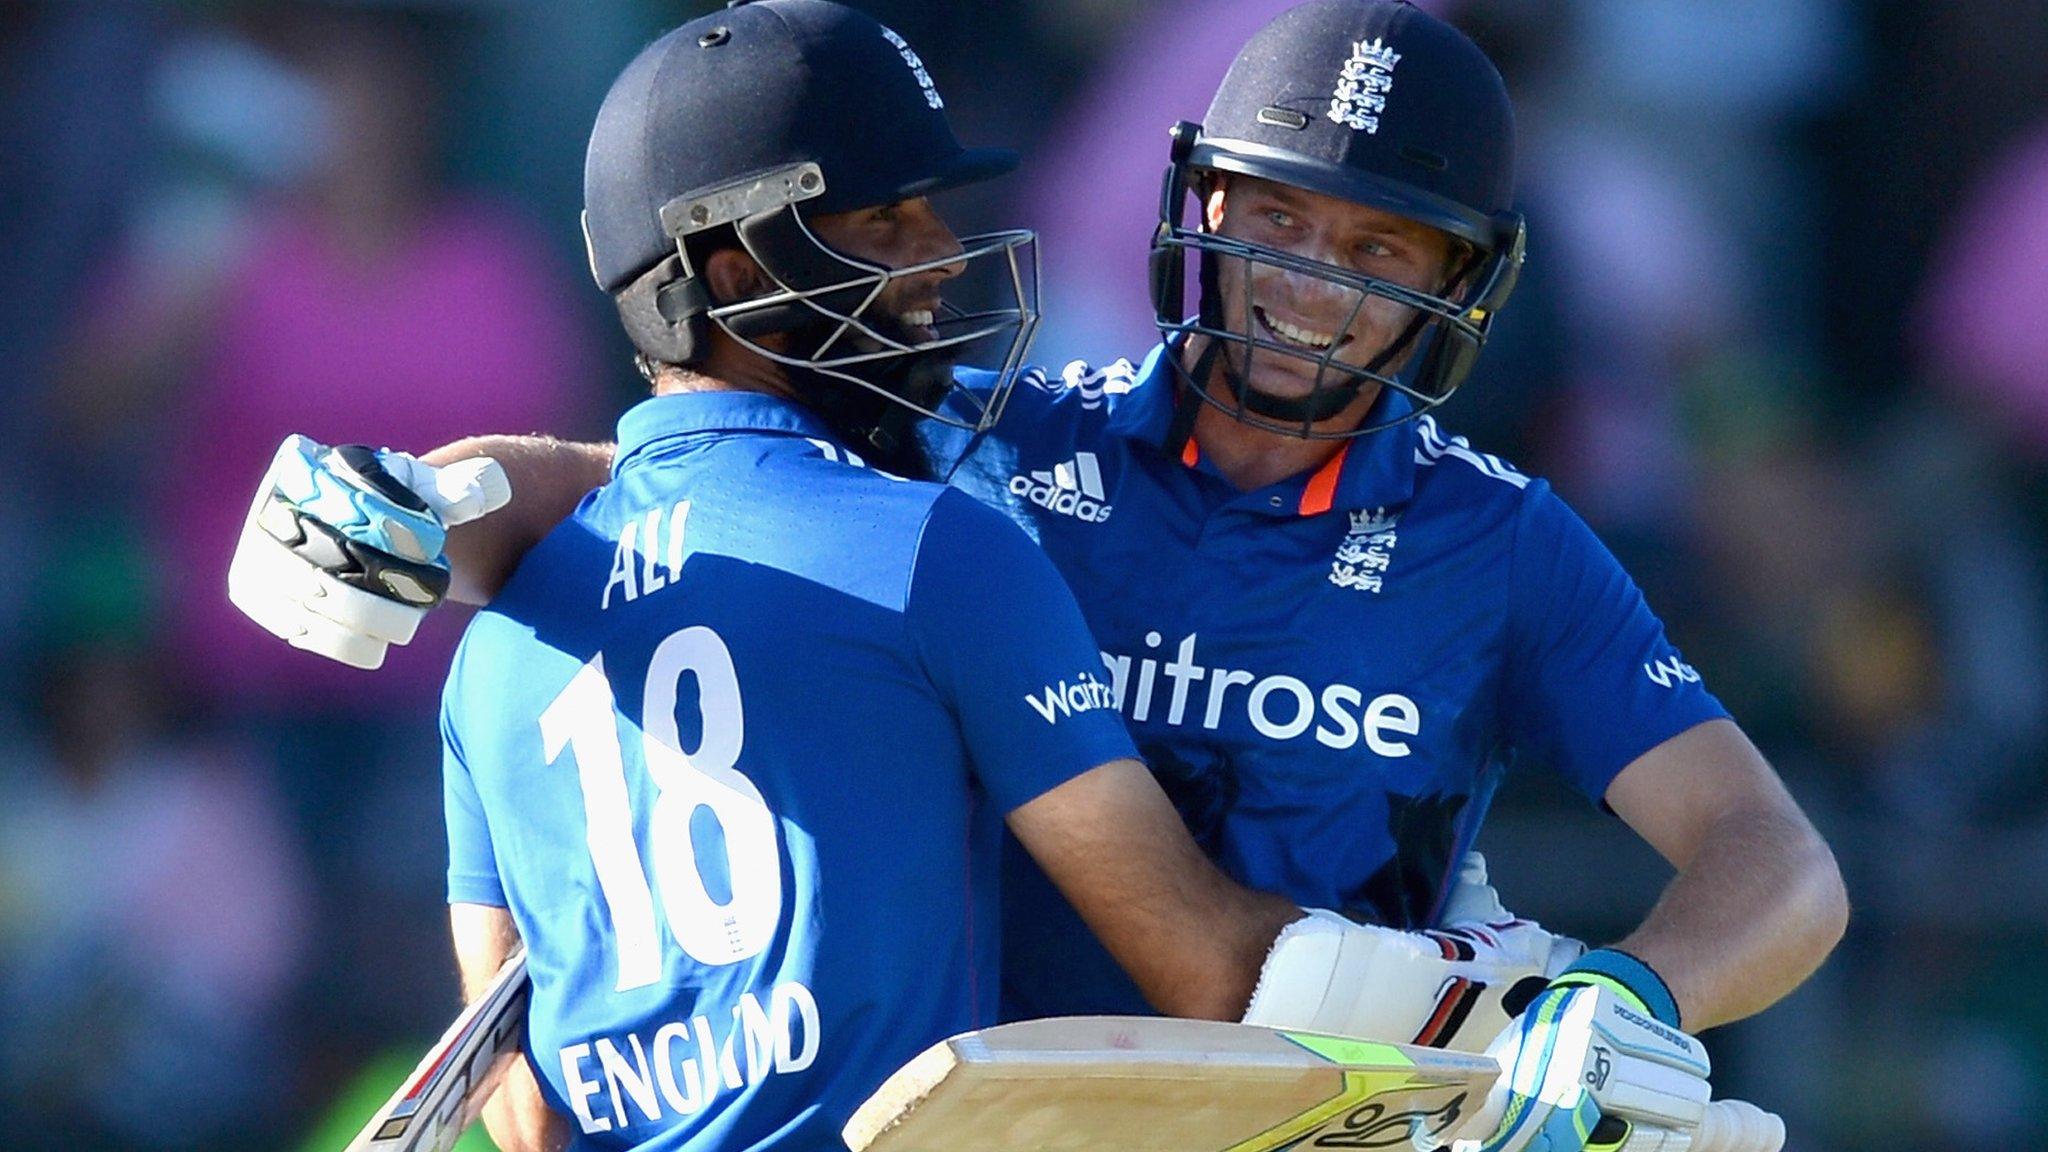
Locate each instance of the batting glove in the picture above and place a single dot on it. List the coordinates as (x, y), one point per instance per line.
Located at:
(341, 552)
(1596, 1063)
(1455, 987)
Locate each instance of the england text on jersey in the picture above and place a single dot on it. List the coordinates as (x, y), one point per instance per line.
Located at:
(678, 1068)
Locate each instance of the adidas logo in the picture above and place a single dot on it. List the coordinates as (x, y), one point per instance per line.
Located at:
(1070, 489)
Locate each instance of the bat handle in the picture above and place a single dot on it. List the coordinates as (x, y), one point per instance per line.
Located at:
(1738, 1126)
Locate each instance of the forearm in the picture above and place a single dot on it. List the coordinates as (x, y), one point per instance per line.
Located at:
(516, 1114)
(518, 1118)
(1748, 918)
(1191, 939)
(548, 477)
(1199, 957)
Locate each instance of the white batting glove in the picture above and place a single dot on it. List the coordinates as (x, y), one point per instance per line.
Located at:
(1454, 987)
(1586, 1068)
(341, 552)
(1529, 957)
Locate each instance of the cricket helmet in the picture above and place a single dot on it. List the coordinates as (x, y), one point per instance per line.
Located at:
(734, 130)
(1374, 102)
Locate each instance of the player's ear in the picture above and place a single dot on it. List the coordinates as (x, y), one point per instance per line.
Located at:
(1460, 262)
(732, 276)
(1213, 192)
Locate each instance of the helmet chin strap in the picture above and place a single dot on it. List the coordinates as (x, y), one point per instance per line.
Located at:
(1319, 405)
(1183, 426)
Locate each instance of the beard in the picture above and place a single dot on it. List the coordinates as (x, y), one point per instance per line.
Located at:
(883, 430)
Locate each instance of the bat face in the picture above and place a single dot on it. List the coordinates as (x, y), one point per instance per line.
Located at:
(448, 1089)
(1152, 1085)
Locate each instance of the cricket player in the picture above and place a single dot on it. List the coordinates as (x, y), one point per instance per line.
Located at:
(1331, 625)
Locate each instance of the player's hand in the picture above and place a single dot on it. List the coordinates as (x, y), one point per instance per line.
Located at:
(1454, 987)
(1506, 961)
(1472, 898)
(1586, 1068)
(341, 553)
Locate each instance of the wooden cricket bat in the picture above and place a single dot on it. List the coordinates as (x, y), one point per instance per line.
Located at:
(1141, 1084)
(446, 1093)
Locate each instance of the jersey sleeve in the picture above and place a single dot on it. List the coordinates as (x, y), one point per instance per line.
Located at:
(472, 863)
(1005, 645)
(1592, 680)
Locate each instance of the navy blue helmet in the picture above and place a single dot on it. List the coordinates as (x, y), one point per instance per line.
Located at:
(736, 128)
(1377, 103)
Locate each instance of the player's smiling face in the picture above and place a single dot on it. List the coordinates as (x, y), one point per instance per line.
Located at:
(904, 234)
(1304, 313)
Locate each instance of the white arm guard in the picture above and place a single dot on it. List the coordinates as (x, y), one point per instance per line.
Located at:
(1455, 988)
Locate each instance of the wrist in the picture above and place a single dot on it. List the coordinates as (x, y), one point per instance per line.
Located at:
(1629, 977)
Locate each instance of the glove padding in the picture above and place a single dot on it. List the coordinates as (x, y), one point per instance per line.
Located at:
(341, 552)
(1581, 1069)
(1454, 987)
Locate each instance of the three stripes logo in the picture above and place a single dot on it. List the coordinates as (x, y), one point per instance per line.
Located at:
(1073, 488)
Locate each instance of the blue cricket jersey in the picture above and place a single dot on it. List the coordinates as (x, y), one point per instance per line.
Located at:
(733, 746)
(1328, 674)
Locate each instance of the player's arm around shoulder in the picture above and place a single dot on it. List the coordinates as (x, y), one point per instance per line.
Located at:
(517, 1115)
(345, 549)
(1191, 938)
(548, 477)
(1758, 902)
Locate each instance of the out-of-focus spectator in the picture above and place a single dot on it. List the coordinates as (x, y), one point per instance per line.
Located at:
(70, 131)
(365, 299)
(301, 263)
(1704, 95)
(1959, 526)
(1984, 315)
(155, 917)
(1949, 88)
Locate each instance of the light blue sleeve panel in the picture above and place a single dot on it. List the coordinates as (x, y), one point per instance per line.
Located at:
(472, 862)
(1592, 682)
(1004, 643)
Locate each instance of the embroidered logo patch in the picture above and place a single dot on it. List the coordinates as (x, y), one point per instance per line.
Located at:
(1362, 558)
(1363, 86)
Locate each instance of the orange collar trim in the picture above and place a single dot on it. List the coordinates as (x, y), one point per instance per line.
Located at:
(1320, 494)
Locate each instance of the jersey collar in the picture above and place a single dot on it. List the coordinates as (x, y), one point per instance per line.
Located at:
(1374, 471)
(653, 422)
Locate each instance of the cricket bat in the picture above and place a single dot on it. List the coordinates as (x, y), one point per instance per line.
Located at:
(1140, 1084)
(446, 1093)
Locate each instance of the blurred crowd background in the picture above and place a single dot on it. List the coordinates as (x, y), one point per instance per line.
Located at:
(1783, 339)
